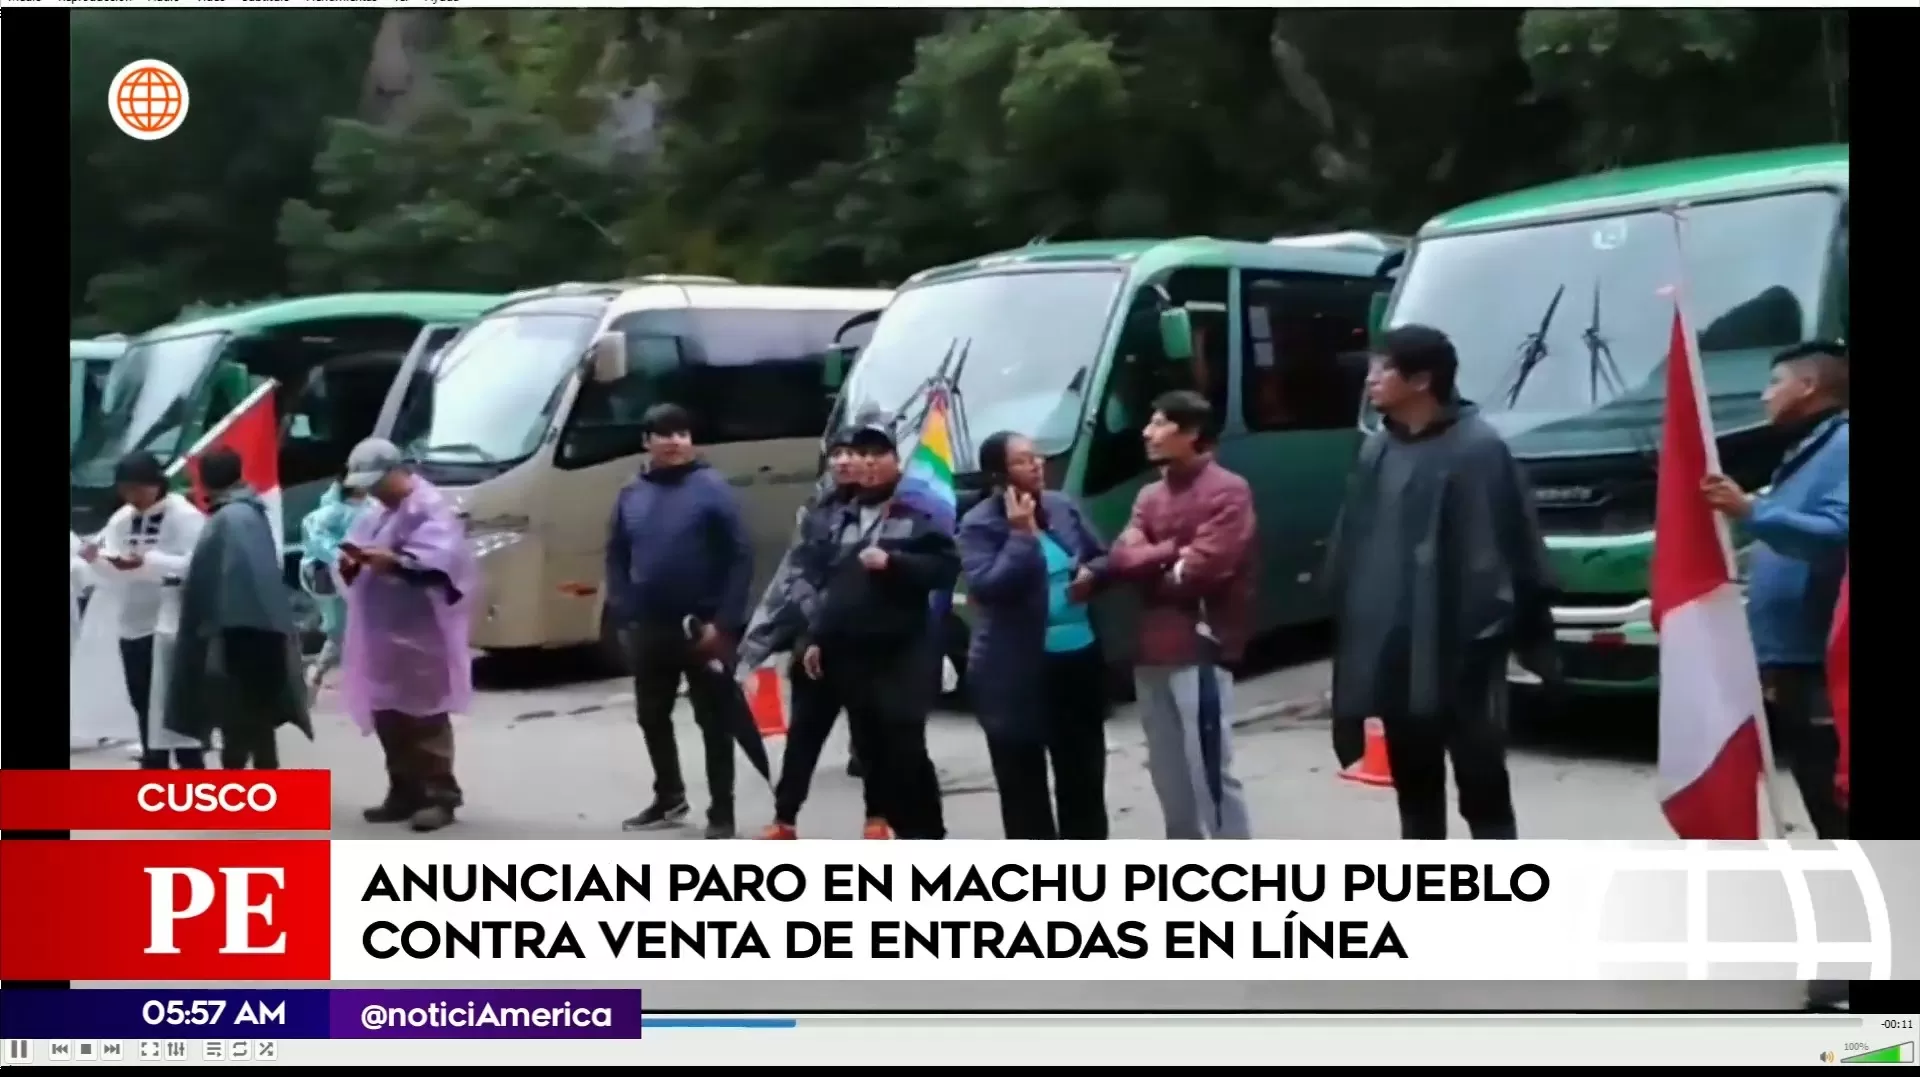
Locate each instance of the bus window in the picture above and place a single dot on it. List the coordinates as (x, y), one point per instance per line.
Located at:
(1141, 371)
(1305, 344)
(754, 375)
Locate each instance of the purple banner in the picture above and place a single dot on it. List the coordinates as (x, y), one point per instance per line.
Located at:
(479, 1013)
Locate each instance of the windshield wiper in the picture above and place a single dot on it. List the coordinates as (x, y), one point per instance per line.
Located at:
(1532, 350)
(1601, 368)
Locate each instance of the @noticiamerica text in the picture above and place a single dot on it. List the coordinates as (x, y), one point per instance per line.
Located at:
(374, 1016)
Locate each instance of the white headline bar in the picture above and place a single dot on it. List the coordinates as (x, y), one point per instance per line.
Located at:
(1133, 910)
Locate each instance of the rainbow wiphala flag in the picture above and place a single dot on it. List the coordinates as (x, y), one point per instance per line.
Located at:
(927, 480)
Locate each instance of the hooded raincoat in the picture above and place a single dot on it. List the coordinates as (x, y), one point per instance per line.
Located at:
(407, 630)
(320, 536)
(234, 591)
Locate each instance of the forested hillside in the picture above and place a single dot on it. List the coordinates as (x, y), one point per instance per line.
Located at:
(332, 149)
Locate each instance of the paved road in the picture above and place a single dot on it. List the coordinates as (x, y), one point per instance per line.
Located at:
(554, 761)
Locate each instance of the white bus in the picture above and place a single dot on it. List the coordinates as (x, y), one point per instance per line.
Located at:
(532, 415)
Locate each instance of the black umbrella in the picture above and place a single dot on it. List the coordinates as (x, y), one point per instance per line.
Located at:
(739, 714)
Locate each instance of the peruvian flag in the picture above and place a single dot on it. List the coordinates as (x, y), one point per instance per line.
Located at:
(253, 431)
(1711, 708)
(1839, 680)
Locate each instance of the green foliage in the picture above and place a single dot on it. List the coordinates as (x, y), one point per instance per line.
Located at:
(855, 146)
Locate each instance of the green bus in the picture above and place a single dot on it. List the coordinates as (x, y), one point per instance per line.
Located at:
(89, 362)
(1560, 301)
(333, 355)
(1069, 343)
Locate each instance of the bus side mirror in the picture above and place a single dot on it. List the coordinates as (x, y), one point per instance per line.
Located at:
(607, 358)
(834, 365)
(1377, 317)
(1176, 334)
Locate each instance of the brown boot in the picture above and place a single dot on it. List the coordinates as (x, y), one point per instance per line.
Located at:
(431, 818)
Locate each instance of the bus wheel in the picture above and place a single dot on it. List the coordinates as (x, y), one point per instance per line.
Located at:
(610, 653)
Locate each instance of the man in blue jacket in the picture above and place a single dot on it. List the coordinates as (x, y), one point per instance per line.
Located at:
(1799, 526)
(679, 549)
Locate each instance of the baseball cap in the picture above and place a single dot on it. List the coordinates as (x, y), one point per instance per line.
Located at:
(872, 436)
(370, 461)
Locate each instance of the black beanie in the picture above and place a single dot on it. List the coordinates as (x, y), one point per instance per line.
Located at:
(140, 469)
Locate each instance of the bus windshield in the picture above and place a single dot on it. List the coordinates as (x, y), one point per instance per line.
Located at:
(493, 391)
(144, 404)
(1559, 320)
(1032, 339)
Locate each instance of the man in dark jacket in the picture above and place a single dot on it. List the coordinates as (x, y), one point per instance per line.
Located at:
(236, 665)
(777, 625)
(679, 549)
(872, 635)
(1439, 575)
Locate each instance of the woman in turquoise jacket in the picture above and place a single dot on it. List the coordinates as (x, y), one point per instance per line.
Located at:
(321, 534)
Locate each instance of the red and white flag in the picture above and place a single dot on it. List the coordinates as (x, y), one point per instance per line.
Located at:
(253, 431)
(1711, 707)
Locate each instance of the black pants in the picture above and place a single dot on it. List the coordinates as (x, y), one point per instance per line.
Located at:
(255, 746)
(887, 693)
(136, 662)
(1474, 735)
(815, 707)
(1074, 741)
(661, 657)
(1802, 719)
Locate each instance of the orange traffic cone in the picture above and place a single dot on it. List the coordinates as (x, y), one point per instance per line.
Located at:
(1372, 769)
(769, 709)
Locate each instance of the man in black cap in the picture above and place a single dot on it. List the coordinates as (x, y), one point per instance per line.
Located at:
(778, 624)
(872, 635)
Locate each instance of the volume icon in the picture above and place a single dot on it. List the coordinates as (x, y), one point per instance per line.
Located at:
(1827, 1056)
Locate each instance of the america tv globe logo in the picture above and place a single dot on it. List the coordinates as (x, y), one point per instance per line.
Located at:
(148, 100)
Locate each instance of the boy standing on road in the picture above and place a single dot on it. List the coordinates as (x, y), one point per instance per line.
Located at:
(678, 549)
(1190, 549)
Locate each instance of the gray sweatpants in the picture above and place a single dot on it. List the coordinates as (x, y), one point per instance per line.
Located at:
(1175, 711)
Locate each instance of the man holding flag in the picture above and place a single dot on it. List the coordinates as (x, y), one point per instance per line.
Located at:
(885, 564)
(1800, 530)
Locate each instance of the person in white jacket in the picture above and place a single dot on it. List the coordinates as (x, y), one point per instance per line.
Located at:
(136, 566)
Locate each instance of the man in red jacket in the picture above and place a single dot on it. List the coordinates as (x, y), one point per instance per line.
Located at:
(1190, 549)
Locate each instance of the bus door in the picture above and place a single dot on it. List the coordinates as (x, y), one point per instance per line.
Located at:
(1303, 371)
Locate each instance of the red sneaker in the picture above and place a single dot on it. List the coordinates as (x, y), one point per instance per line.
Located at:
(877, 830)
(779, 832)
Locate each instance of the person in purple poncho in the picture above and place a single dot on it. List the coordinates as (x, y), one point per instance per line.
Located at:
(410, 579)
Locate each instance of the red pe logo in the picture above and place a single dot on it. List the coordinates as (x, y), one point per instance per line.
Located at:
(173, 902)
(164, 910)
